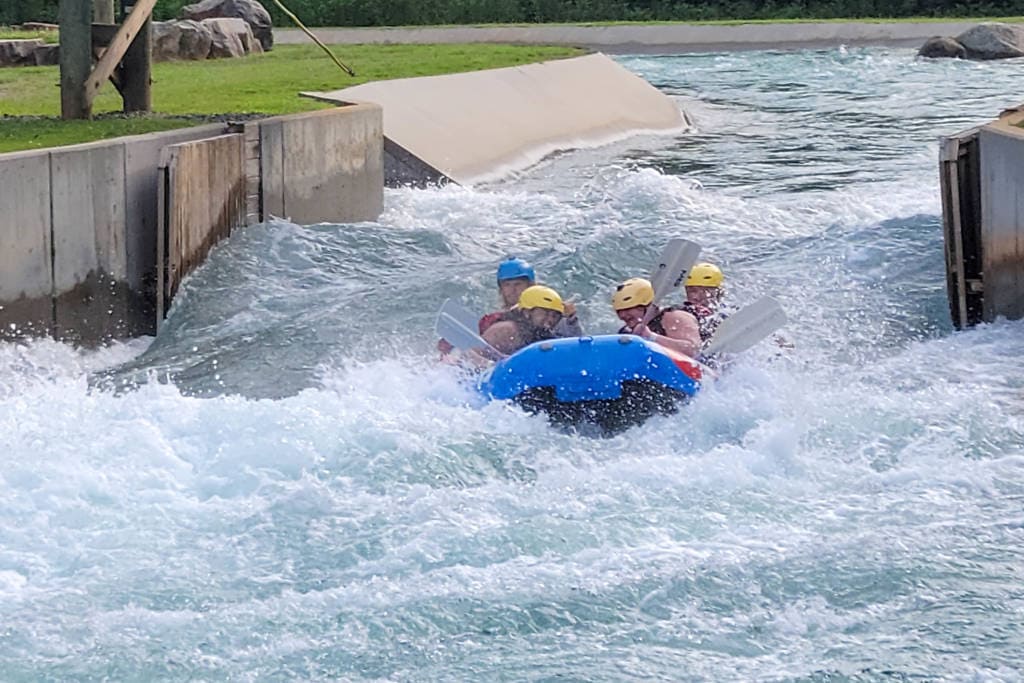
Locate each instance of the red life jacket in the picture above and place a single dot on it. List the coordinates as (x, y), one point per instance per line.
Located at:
(489, 320)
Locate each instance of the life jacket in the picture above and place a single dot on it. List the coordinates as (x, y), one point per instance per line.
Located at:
(707, 321)
(489, 320)
(655, 325)
(528, 332)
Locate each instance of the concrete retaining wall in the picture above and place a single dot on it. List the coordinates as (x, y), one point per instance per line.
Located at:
(78, 224)
(26, 266)
(324, 166)
(649, 38)
(1001, 150)
(476, 126)
(78, 236)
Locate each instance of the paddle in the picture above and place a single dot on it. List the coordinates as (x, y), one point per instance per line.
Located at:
(457, 326)
(747, 327)
(674, 264)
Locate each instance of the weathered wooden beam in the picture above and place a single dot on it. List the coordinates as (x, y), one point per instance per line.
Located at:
(103, 11)
(118, 46)
(102, 34)
(136, 71)
(75, 18)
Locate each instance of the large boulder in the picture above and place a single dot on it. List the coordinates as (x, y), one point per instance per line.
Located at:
(18, 52)
(180, 40)
(231, 38)
(942, 46)
(196, 40)
(249, 11)
(993, 40)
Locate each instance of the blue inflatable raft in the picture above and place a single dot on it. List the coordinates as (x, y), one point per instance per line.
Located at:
(611, 381)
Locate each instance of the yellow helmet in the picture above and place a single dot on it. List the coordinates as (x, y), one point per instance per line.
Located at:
(705, 275)
(539, 296)
(635, 291)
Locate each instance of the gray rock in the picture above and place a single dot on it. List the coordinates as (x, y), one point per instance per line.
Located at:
(231, 37)
(47, 55)
(165, 39)
(249, 11)
(18, 52)
(942, 46)
(180, 40)
(993, 40)
(196, 40)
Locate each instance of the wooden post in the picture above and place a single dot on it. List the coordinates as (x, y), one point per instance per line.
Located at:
(119, 44)
(75, 18)
(136, 71)
(103, 11)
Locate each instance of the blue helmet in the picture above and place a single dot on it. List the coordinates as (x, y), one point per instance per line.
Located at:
(512, 268)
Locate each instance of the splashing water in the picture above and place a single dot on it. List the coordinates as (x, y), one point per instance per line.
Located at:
(284, 486)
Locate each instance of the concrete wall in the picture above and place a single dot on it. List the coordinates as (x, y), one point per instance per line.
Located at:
(78, 224)
(26, 266)
(1001, 151)
(472, 127)
(649, 38)
(324, 166)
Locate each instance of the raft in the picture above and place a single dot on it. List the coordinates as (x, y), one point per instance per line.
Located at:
(611, 382)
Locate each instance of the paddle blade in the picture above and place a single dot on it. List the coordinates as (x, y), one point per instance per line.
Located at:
(460, 335)
(674, 264)
(747, 327)
(463, 315)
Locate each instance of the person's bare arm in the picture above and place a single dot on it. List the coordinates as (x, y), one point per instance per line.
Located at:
(682, 333)
(503, 336)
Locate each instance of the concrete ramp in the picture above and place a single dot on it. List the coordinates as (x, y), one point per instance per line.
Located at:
(478, 126)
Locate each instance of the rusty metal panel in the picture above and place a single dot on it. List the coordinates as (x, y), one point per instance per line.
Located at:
(1001, 149)
(203, 200)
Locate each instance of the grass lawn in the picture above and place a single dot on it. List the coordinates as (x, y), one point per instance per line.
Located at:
(267, 84)
(7, 33)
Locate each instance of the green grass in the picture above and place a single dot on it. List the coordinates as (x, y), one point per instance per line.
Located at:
(8, 33)
(267, 83)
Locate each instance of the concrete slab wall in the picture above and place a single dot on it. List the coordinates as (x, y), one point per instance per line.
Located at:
(649, 38)
(26, 267)
(78, 224)
(1001, 150)
(478, 126)
(88, 224)
(324, 166)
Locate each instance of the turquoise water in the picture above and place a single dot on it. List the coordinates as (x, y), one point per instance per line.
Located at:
(282, 486)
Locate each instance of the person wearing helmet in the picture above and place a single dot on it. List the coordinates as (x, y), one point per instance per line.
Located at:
(534, 318)
(704, 298)
(669, 327)
(514, 276)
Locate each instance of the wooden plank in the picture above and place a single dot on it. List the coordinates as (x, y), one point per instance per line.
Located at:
(952, 228)
(117, 48)
(206, 201)
(75, 17)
